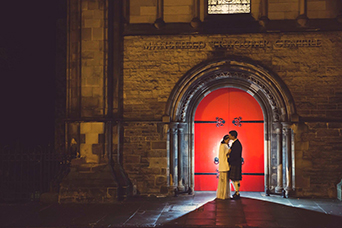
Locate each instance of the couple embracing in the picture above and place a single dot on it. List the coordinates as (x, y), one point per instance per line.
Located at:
(230, 161)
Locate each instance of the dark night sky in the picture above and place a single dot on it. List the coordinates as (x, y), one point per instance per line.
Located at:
(27, 69)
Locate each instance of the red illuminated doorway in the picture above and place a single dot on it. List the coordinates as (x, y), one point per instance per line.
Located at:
(219, 112)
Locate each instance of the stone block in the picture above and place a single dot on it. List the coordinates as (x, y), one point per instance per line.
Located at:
(90, 45)
(160, 180)
(316, 5)
(92, 23)
(148, 11)
(276, 15)
(157, 162)
(98, 149)
(73, 128)
(133, 159)
(164, 190)
(158, 145)
(84, 5)
(88, 71)
(97, 91)
(134, 10)
(157, 153)
(142, 19)
(98, 33)
(178, 2)
(149, 171)
(97, 127)
(86, 152)
(86, 34)
(90, 102)
(87, 92)
(82, 138)
(88, 14)
(85, 127)
(177, 10)
(85, 149)
(102, 138)
(335, 125)
(93, 5)
(328, 132)
(87, 55)
(291, 15)
(279, 7)
(92, 158)
(98, 14)
(178, 18)
(92, 81)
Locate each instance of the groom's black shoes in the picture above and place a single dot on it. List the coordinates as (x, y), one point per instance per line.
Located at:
(235, 196)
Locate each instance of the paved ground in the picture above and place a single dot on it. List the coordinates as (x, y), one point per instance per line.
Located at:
(198, 210)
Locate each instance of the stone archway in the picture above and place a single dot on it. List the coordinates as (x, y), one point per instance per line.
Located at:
(270, 92)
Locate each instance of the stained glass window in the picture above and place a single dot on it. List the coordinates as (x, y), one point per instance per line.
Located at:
(229, 6)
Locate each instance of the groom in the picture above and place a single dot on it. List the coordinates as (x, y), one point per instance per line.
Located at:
(235, 162)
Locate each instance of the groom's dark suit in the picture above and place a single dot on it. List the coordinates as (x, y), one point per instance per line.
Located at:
(235, 161)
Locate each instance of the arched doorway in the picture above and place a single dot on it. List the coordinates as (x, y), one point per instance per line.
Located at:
(268, 90)
(219, 112)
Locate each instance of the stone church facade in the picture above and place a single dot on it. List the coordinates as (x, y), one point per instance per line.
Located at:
(137, 69)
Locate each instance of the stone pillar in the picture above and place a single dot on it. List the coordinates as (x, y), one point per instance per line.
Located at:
(263, 20)
(302, 19)
(287, 132)
(159, 23)
(339, 15)
(196, 21)
(181, 155)
(279, 138)
(126, 8)
(174, 153)
(267, 168)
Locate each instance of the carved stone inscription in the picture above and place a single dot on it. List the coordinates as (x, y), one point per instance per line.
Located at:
(174, 45)
(235, 44)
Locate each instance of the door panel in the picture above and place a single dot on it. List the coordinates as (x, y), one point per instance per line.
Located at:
(229, 104)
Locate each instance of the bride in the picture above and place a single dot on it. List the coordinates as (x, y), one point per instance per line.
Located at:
(223, 188)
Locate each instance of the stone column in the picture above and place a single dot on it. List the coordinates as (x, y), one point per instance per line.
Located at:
(126, 9)
(339, 15)
(181, 153)
(174, 153)
(159, 23)
(263, 20)
(279, 138)
(267, 168)
(302, 19)
(287, 132)
(196, 21)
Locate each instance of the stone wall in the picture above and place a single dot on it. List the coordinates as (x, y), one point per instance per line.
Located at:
(93, 57)
(145, 157)
(86, 77)
(308, 63)
(183, 10)
(322, 8)
(318, 156)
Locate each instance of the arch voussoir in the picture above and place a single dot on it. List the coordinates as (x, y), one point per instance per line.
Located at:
(266, 87)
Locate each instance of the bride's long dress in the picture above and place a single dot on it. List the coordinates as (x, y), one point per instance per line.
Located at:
(223, 188)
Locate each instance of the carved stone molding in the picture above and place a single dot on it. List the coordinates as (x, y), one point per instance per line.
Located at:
(249, 78)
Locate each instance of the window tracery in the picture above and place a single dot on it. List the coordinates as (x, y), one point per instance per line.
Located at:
(229, 6)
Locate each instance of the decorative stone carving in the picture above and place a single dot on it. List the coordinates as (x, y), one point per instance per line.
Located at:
(252, 79)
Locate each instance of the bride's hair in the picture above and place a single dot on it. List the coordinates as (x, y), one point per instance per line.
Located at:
(225, 138)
